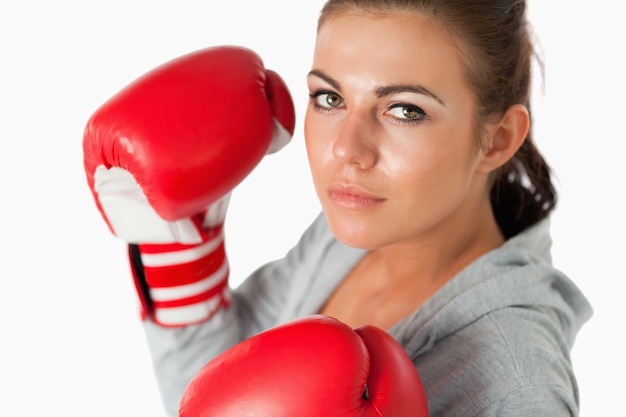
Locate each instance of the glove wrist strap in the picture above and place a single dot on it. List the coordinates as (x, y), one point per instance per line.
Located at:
(181, 284)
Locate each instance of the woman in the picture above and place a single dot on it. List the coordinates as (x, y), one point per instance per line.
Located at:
(436, 207)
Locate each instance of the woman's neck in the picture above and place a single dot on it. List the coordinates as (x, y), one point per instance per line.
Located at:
(432, 259)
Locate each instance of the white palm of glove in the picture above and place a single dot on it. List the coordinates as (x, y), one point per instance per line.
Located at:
(133, 219)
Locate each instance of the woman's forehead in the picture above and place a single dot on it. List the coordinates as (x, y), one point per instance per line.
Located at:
(387, 49)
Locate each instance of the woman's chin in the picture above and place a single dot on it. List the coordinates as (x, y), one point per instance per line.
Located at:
(355, 234)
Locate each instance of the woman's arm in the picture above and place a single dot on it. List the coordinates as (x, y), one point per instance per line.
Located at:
(257, 304)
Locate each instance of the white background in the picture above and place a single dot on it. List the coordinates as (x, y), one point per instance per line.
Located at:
(70, 340)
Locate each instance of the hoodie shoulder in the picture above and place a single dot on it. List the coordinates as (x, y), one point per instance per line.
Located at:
(504, 324)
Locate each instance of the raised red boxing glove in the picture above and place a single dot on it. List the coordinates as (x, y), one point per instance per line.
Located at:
(162, 157)
(311, 367)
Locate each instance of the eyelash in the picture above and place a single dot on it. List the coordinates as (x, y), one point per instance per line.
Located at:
(422, 116)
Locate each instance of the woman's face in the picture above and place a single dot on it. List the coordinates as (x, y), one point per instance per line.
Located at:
(390, 130)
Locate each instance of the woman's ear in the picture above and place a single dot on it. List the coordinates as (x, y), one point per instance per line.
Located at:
(505, 138)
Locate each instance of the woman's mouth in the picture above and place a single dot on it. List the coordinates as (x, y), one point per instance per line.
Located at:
(353, 197)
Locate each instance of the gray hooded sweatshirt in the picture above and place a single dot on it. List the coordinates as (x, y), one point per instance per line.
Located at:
(494, 341)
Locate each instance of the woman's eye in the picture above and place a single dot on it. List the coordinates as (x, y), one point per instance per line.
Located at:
(407, 112)
(326, 100)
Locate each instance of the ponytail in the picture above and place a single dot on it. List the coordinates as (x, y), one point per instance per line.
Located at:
(522, 193)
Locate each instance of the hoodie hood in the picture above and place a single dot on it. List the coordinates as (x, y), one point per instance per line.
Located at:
(518, 274)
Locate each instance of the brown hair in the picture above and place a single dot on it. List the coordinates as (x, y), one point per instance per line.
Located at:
(494, 38)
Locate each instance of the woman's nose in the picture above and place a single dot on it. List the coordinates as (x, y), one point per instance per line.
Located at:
(355, 142)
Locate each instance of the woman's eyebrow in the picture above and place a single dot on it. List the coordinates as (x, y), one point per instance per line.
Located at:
(325, 77)
(417, 89)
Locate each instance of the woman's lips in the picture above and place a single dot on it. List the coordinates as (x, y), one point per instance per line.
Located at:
(353, 197)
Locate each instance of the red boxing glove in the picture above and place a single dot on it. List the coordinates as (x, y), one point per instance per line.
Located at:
(311, 367)
(161, 158)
